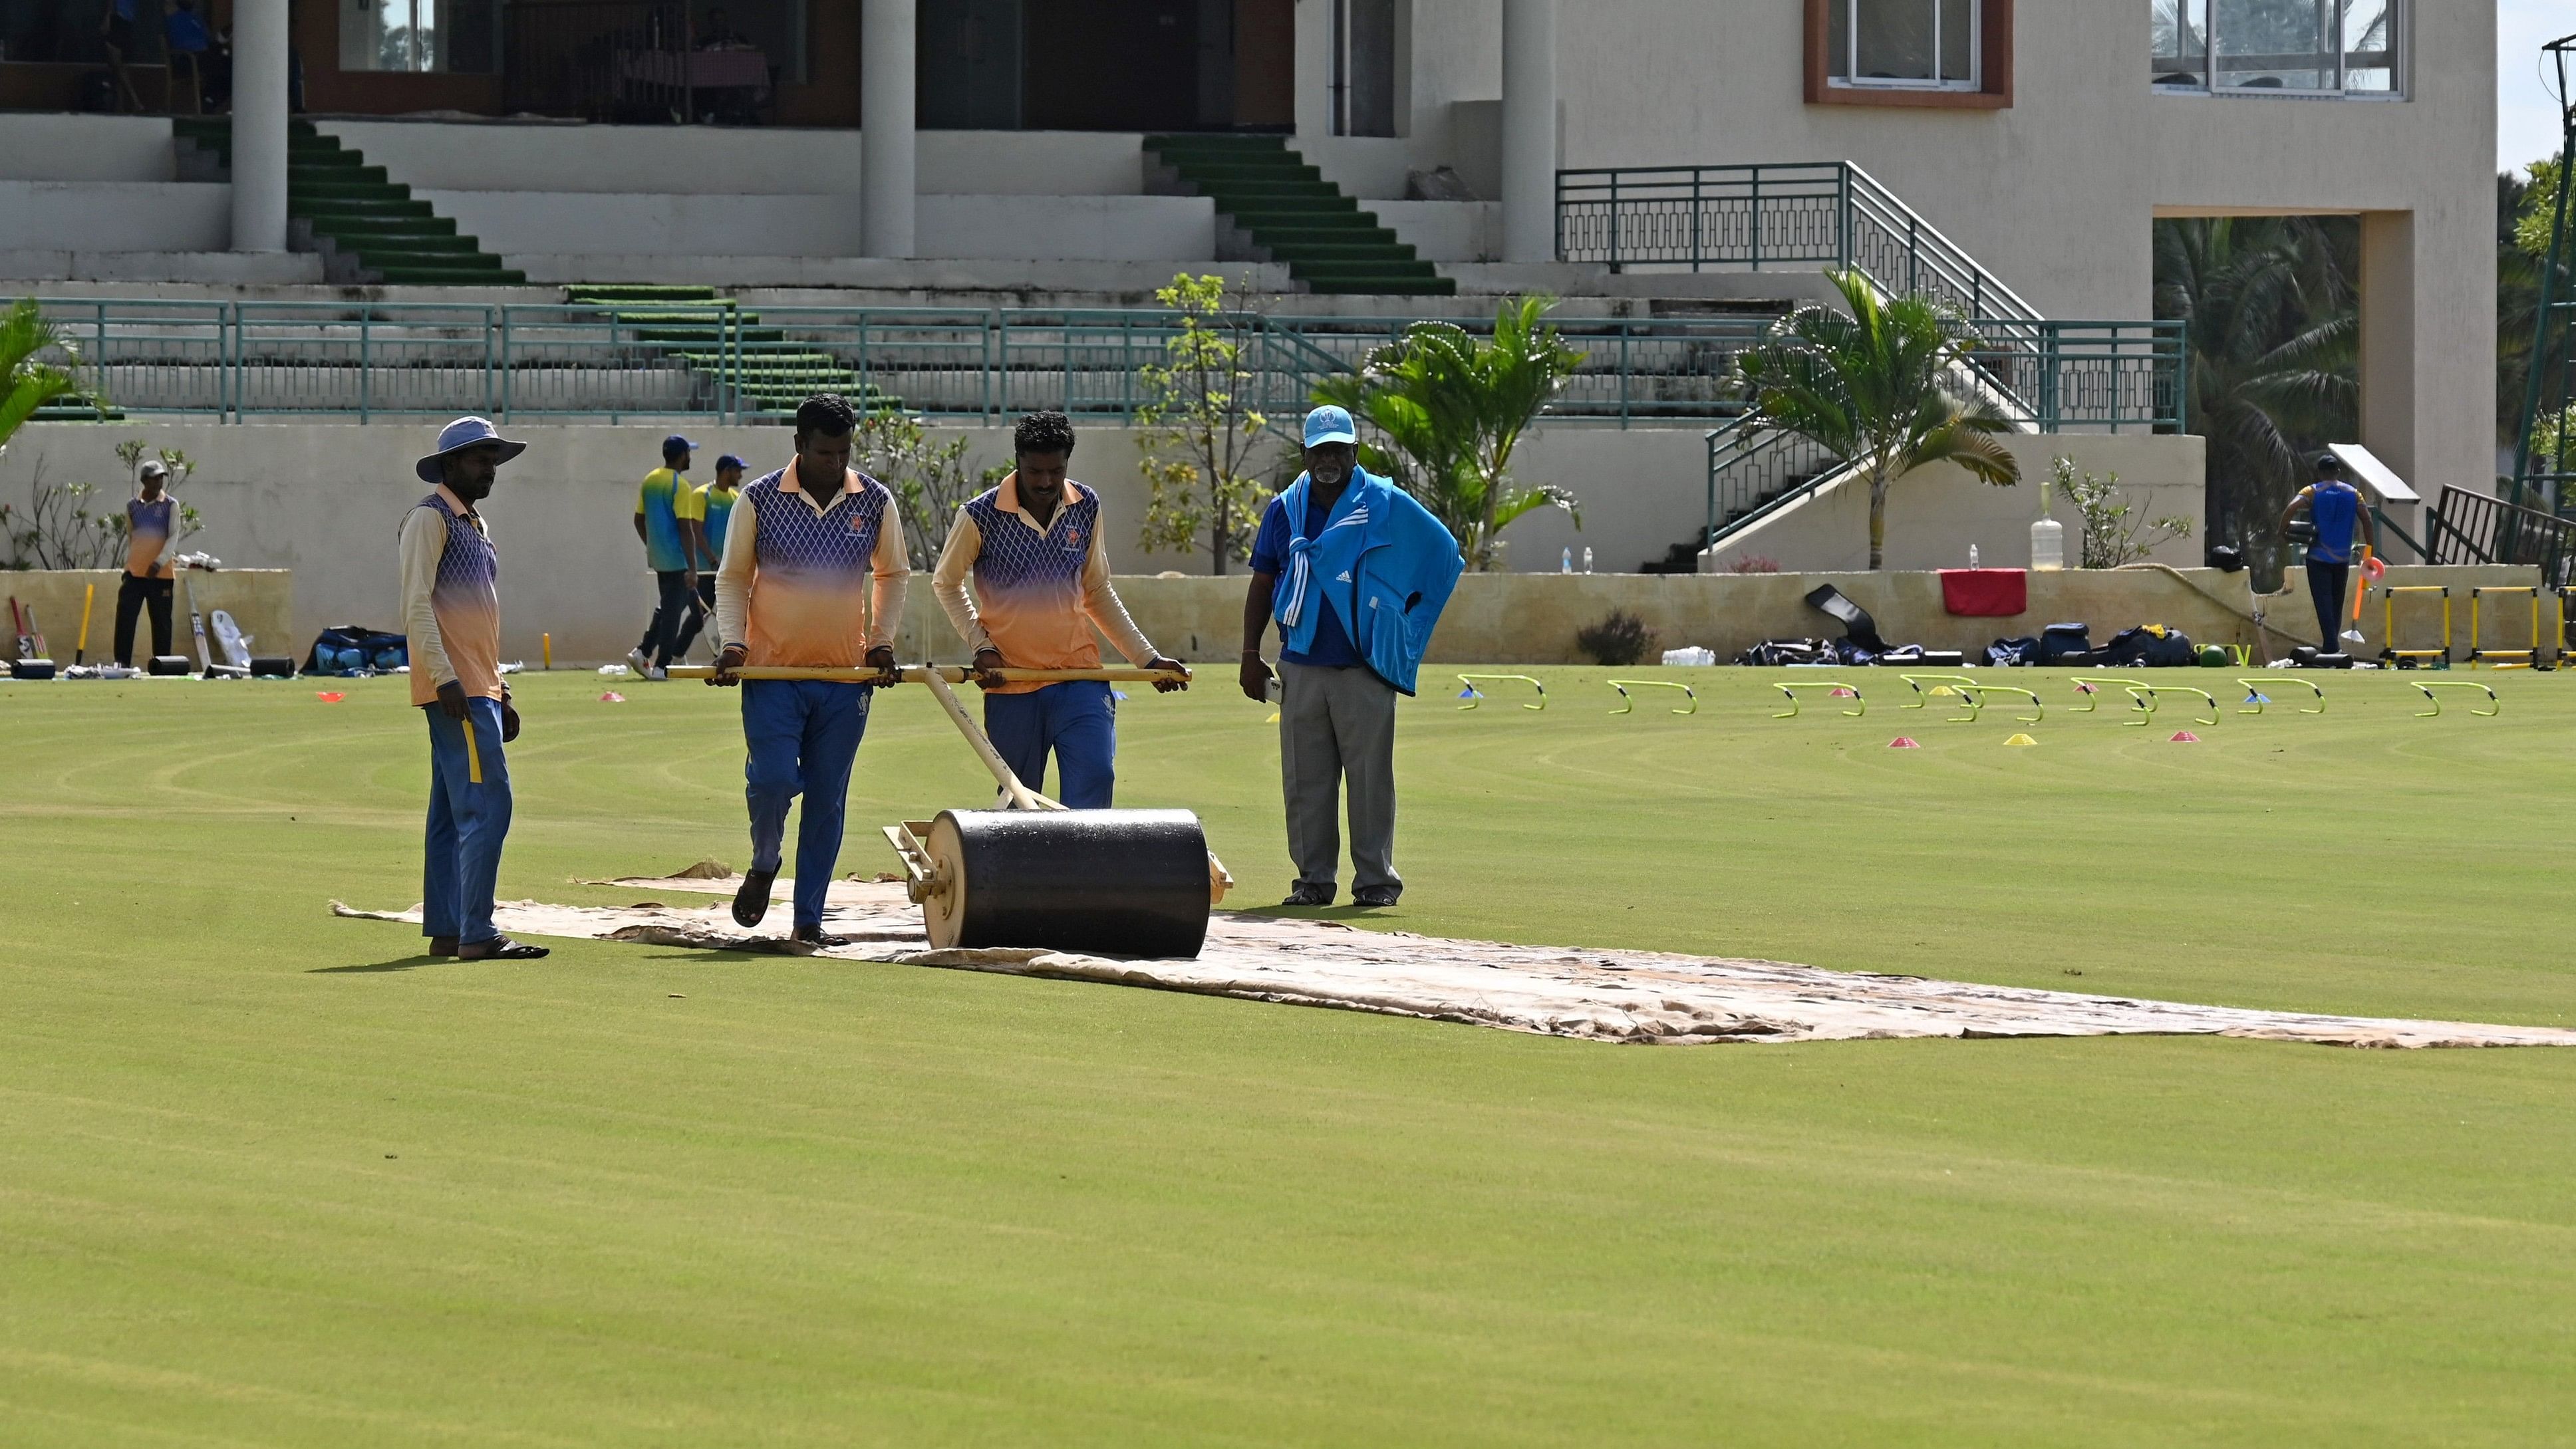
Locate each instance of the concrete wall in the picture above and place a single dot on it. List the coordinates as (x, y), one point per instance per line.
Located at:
(663, 223)
(1445, 231)
(115, 216)
(710, 160)
(220, 268)
(86, 148)
(261, 601)
(1533, 618)
(1934, 514)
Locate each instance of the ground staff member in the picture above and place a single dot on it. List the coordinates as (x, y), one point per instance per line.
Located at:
(813, 576)
(1041, 577)
(658, 507)
(1356, 574)
(705, 526)
(147, 584)
(452, 616)
(2334, 506)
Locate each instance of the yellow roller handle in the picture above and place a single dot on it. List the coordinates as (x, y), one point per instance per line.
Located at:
(923, 674)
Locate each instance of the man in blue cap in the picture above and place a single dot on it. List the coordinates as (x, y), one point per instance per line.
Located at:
(451, 605)
(710, 509)
(1355, 572)
(676, 613)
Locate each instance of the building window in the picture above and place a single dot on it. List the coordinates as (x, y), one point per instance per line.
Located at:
(2287, 47)
(1903, 44)
(1909, 52)
(432, 36)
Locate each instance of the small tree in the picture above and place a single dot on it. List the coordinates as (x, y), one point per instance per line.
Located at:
(1446, 411)
(1197, 433)
(928, 478)
(1870, 388)
(2111, 534)
(37, 365)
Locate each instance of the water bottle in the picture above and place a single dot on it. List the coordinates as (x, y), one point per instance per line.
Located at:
(1567, 566)
(1972, 555)
(1587, 558)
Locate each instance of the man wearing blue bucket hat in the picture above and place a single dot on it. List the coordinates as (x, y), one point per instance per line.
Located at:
(1355, 572)
(451, 607)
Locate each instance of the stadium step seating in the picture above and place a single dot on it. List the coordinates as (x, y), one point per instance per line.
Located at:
(773, 371)
(394, 237)
(1300, 218)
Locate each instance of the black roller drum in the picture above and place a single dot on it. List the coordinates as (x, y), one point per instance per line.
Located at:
(1095, 882)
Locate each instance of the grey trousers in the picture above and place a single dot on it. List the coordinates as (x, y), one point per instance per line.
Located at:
(1337, 726)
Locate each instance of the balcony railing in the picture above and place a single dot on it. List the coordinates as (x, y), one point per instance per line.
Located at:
(237, 360)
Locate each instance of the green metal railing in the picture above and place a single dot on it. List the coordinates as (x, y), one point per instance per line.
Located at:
(593, 360)
(2043, 374)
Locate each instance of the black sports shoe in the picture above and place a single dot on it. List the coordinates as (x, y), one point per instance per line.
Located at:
(1307, 893)
(1377, 897)
(816, 936)
(751, 902)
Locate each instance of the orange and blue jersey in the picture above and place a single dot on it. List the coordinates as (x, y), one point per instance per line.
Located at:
(451, 599)
(1039, 592)
(148, 528)
(811, 582)
(658, 502)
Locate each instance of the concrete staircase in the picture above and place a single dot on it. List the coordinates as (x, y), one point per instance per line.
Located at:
(771, 372)
(1292, 213)
(357, 215)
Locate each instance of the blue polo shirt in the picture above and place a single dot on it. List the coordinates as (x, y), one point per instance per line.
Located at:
(2335, 506)
(1333, 648)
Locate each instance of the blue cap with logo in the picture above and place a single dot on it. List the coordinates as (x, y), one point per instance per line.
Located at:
(1329, 424)
(727, 460)
(674, 445)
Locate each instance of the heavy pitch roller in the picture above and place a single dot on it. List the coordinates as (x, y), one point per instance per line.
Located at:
(1033, 874)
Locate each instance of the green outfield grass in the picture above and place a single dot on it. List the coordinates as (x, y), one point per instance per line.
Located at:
(268, 1177)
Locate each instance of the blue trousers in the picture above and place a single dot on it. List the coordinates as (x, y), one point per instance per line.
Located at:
(1077, 721)
(469, 817)
(802, 735)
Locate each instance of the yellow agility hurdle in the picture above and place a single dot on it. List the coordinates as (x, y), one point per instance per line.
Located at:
(1942, 686)
(1791, 690)
(2497, 704)
(2478, 654)
(2254, 696)
(1976, 696)
(1628, 705)
(2389, 652)
(2092, 697)
(1476, 696)
(2145, 695)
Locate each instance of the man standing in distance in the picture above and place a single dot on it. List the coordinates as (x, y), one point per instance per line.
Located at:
(813, 577)
(148, 581)
(658, 506)
(2334, 507)
(705, 526)
(1041, 573)
(1356, 573)
(452, 616)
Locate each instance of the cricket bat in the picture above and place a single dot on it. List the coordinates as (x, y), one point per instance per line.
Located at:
(197, 626)
(80, 651)
(36, 632)
(18, 626)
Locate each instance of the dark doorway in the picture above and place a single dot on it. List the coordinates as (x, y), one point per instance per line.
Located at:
(1111, 65)
(968, 74)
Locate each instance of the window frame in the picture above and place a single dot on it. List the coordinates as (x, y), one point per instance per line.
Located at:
(1990, 55)
(2401, 54)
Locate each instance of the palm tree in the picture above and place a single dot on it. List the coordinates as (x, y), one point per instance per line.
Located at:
(1446, 410)
(1871, 389)
(28, 380)
(2274, 347)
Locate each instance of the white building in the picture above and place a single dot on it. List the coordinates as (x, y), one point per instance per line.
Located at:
(939, 151)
